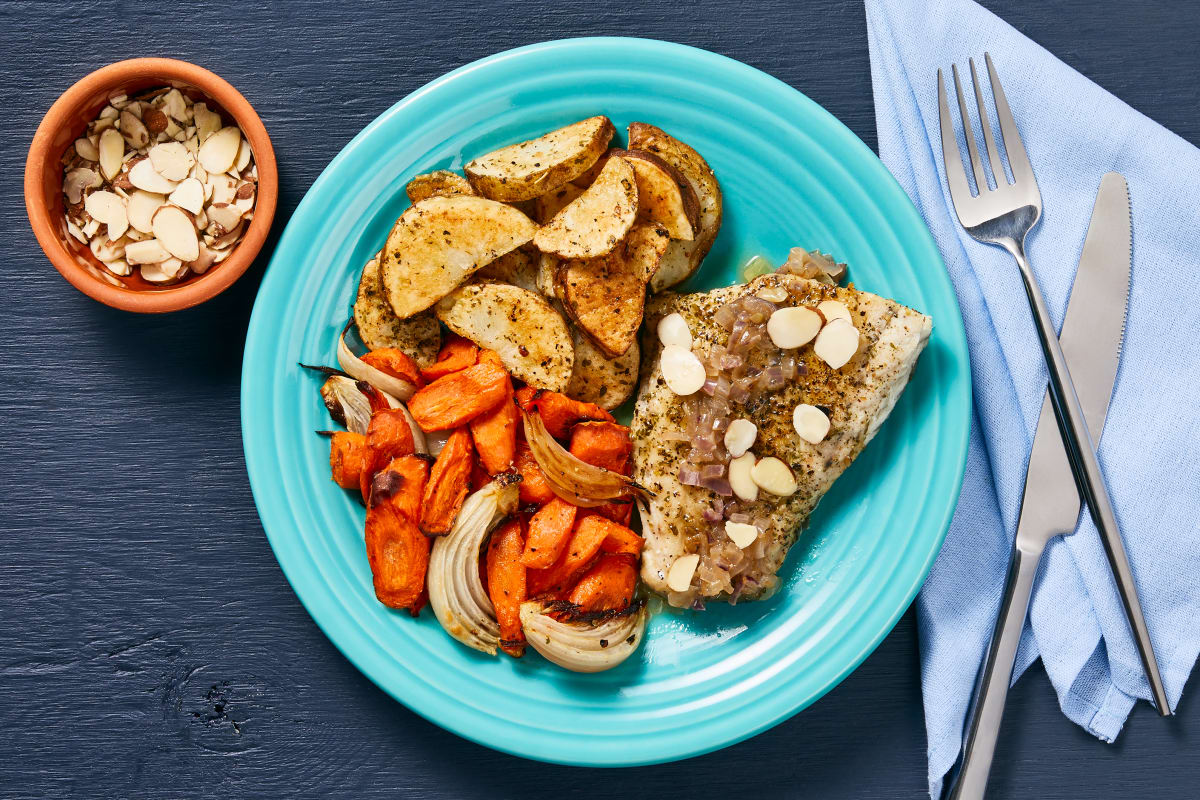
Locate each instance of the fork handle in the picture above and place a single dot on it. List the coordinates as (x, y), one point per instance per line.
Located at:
(987, 708)
(1081, 451)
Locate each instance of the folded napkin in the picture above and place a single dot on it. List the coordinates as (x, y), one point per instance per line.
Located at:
(1074, 132)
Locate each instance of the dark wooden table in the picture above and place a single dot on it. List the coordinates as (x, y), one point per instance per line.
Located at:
(149, 644)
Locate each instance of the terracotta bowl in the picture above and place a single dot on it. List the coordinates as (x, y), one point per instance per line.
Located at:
(67, 120)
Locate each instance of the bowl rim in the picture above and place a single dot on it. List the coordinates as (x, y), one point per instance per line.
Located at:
(42, 156)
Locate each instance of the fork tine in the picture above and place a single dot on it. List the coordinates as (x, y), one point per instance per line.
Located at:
(988, 139)
(956, 176)
(1018, 161)
(981, 184)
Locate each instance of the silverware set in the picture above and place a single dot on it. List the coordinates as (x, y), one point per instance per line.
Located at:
(1063, 468)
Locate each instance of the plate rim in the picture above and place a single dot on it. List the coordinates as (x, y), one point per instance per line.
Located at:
(959, 449)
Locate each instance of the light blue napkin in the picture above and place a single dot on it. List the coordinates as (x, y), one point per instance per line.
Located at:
(1074, 132)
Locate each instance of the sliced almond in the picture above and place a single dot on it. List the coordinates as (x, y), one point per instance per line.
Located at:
(207, 123)
(219, 152)
(793, 327)
(679, 577)
(87, 150)
(773, 294)
(740, 481)
(105, 249)
(76, 233)
(118, 267)
(163, 272)
(134, 235)
(243, 157)
(142, 205)
(204, 261)
(171, 160)
(682, 370)
(223, 216)
(201, 220)
(90, 227)
(742, 534)
(226, 239)
(837, 343)
(833, 309)
(150, 251)
(110, 112)
(189, 195)
(673, 329)
(811, 423)
(174, 106)
(108, 208)
(773, 476)
(221, 189)
(173, 131)
(174, 229)
(78, 180)
(740, 436)
(134, 130)
(143, 176)
(111, 152)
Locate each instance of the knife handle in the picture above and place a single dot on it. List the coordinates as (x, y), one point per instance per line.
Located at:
(987, 708)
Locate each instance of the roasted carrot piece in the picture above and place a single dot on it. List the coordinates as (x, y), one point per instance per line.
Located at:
(388, 437)
(479, 477)
(456, 354)
(402, 482)
(495, 432)
(607, 586)
(448, 483)
(460, 397)
(549, 531)
(347, 458)
(398, 554)
(558, 411)
(395, 362)
(602, 444)
(534, 488)
(506, 584)
(585, 543)
(618, 538)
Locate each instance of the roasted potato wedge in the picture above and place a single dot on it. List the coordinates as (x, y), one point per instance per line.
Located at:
(596, 378)
(606, 296)
(665, 197)
(594, 223)
(546, 206)
(518, 268)
(682, 257)
(530, 337)
(419, 336)
(439, 183)
(589, 176)
(438, 243)
(547, 275)
(530, 169)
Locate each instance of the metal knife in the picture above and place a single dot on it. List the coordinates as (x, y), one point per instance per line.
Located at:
(1091, 341)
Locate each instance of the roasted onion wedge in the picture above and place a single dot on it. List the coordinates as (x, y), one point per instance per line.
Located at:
(583, 646)
(355, 367)
(572, 479)
(456, 592)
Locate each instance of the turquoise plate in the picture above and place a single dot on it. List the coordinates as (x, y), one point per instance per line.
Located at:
(791, 175)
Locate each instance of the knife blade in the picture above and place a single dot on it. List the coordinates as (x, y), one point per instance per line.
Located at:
(1091, 337)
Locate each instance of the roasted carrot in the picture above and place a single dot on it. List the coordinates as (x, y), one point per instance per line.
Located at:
(395, 362)
(479, 477)
(495, 432)
(607, 445)
(549, 531)
(402, 482)
(347, 458)
(449, 481)
(585, 543)
(618, 539)
(398, 554)
(607, 586)
(558, 411)
(619, 511)
(506, 584)
(534, 488)
(456, 354)
(388, 437)
(460, 397)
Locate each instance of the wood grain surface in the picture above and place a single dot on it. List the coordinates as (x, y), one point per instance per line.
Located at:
(149, 644)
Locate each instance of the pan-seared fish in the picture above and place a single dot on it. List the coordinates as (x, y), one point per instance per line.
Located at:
(684, 519)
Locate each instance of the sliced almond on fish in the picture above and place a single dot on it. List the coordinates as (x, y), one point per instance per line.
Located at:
(682, 370)
(111, 152)
(793, 327)
(673, 329)
(189, 195)
(171, 160)
(110, 209)
(773, 476)
(773, 294)
(679, 577)
(142, 205)
(740, 436)
(134, 130)
(175, 230)
(219, 152)
(740, 480)
(150, 251)
(742, 534)
(837, 343)
(143, 176)
(834, 309)
(811, 423)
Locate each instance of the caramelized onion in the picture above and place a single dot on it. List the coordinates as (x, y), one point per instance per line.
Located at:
(583, 646)
(572, 479)
(355, 367)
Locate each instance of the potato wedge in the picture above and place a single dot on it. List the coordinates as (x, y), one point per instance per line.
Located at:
(682, 257)
(530, 337)
(547, 275)
(530, 169)
(438, 243)
(518, 268)
(606, 296)
(419, 337)
(551, 203)
(439, 183)
(596, 221)
(589, 176)
(596, 378)
(665, 197)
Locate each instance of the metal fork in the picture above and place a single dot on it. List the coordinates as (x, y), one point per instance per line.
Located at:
(1003, 216)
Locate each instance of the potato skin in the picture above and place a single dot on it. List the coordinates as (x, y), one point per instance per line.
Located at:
(665, 196)
(419, 337)
(439, 183)
(529, 169)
